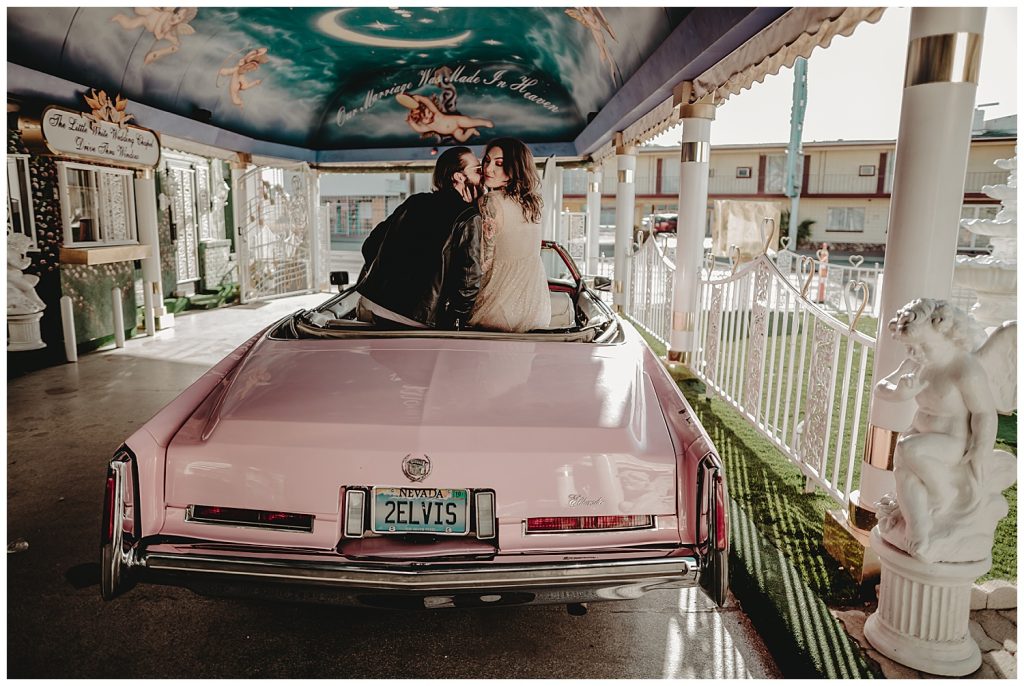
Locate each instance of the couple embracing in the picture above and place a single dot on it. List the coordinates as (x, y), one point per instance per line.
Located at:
(465, 254)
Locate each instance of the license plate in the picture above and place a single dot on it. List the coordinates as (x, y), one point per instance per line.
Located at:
(421, 510)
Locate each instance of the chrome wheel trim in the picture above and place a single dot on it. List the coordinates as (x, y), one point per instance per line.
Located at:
(113, 562)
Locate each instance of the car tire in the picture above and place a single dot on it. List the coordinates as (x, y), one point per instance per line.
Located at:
(715, 578)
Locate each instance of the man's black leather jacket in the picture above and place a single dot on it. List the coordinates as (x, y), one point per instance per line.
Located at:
(423, 261)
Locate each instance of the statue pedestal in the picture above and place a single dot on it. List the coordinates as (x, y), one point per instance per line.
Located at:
(923, 612)
(23, 332)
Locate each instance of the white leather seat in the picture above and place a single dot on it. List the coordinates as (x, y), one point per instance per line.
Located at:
(562, 315)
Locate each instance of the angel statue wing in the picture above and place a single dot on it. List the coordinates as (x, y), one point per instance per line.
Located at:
(998, 356)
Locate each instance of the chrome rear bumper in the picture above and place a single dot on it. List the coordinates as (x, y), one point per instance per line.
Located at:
(457, 585)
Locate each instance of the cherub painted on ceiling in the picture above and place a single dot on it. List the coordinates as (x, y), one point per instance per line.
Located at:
(165, 23)
(426, 119)
(250, 62)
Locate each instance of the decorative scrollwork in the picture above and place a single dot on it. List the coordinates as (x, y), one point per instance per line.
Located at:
(820, 386)
(758, 339)
(714, 329)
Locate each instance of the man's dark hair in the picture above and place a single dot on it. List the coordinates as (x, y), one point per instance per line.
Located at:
(448, 163)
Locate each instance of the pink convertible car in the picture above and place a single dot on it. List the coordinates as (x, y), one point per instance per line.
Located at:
(329, 460)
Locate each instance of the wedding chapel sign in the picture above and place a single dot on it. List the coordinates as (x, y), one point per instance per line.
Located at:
(77, 134)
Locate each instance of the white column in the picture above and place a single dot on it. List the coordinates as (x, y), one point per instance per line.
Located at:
(693, 202)
(152, 286)
(117, 308)
(593, 218)
(239, 200)
(625, 204)
(67, 322)
(315, 232)
(934, 139)
(561, 230)
(549, 211)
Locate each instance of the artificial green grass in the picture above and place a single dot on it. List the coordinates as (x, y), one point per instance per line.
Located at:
(770, 491)
(803, 637)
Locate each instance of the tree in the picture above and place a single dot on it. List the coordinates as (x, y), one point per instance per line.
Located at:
(803, 230)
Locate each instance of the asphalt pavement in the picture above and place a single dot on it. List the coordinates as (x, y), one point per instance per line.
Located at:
(64, 423)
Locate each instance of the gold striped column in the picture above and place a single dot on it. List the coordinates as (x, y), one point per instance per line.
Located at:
(940, 83)
(625, 204)
(694, 162)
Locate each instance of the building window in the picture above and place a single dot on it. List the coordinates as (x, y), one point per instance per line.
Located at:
(97, 205)
(20, 216)
(890, 167)
(743, 172)
(775, 174)
(866, 170)
(968, 241)
(845, 219)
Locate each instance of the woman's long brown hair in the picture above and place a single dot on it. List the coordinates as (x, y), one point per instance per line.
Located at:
(522, 176)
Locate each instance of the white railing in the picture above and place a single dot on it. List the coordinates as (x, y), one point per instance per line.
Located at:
(841, 183)
(652, 273)
(720, 185)
(796, 368)
(974, 181)
(797, 373)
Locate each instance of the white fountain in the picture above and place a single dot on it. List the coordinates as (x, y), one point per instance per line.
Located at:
(994, 277)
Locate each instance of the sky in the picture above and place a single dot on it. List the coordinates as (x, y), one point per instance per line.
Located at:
(855, 86)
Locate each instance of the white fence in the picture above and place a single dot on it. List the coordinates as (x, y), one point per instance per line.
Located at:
(652, 273)
(797, 373)
(777, 340)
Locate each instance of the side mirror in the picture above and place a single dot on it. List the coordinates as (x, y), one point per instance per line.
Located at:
(339, 279)
(602, 283)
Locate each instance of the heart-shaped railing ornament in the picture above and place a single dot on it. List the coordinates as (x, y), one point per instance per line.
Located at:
(855, 289)
(808, 262)
(734, 256)
(856, 261)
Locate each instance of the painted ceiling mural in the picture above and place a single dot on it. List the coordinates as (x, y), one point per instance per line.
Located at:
(352, 78)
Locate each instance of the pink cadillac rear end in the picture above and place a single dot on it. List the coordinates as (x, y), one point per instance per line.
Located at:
(422, 472)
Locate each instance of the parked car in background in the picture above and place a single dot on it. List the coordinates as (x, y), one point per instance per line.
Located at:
(664, 223)
(332, 460)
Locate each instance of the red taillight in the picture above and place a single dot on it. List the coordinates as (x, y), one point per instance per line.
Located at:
(111, 495)
(588, 523)
(236, 516)
(721, 525)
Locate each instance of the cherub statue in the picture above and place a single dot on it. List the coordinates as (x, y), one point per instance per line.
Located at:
(251, 61)
(426, 119)
(165, 23)
(21, 288)
(949, 479)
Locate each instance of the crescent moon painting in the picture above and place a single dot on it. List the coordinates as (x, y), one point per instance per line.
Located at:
(332, 24)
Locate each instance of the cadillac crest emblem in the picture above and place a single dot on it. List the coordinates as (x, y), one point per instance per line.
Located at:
(416, 468)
